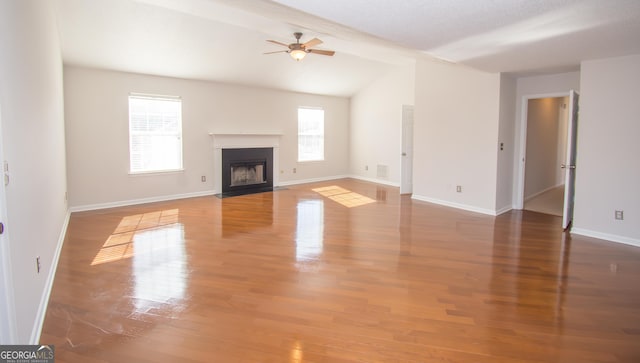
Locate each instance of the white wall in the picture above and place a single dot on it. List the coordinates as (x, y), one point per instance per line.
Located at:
(456, 119)
(97, 134)
(504, 186)
(547, 84)
(608, 169)
(542, 168)
(376, 125)
(555, 84)
(31, 100)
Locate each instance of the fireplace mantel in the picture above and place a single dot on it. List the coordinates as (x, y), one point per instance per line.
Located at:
(239, 141)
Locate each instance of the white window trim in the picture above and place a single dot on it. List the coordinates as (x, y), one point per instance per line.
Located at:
(150, 96)
(323, 135)
(155, 172)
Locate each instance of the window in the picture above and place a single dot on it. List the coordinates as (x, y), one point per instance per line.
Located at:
(155, 133)
(310, 134)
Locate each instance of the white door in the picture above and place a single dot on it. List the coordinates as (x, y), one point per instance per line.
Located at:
(570, 163)
(406, 165)
(6, 292)
(7, 316)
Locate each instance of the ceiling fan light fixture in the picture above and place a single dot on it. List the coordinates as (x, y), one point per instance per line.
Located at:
(297, 54)
(298, 50)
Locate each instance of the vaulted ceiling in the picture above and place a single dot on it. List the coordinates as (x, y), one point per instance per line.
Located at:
(224, 40)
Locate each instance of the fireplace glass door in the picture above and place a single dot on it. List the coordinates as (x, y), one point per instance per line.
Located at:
(248, 174)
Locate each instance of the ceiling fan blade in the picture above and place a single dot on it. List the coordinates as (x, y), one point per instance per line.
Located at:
(312, 43)
(322, 52)
(277, 51)
(276, 42)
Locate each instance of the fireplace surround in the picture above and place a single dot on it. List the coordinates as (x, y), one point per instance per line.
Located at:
(224, 141)
(246, 170)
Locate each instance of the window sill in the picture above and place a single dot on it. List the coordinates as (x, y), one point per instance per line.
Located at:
(156, 172)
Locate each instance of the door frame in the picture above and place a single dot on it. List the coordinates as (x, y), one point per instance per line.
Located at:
(406, 158)
(519, 195)
(8, 327)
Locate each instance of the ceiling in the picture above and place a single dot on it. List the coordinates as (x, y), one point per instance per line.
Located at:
(224, 40)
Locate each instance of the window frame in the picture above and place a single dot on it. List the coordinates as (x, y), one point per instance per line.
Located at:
(321, 135)
(178, 133)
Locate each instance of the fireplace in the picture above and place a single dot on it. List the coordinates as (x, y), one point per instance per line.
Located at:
(247, 170)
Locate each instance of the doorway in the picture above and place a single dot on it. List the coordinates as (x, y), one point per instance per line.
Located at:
(546, 152)
(547, 145)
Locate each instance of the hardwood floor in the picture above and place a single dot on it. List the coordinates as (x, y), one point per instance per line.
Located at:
(351, 272)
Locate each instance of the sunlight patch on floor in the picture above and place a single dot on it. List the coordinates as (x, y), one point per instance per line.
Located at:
(119, 245)
(344, 196)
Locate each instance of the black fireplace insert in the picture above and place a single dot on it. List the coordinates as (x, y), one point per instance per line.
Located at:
(247, 170)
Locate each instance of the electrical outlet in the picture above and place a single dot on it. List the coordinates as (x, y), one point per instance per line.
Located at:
(203, 178)
(294, 170)
(366, 167)
(619, 215)
(459, 188)
(38, 264)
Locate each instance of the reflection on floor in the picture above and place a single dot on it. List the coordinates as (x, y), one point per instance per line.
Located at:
(549, 202)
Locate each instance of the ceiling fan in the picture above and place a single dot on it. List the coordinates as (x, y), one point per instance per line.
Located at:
(298, 50)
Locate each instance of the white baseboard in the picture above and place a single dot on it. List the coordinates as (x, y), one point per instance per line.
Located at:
(502, 210)
(123, 203)
(446, 203)
(606, 236)
(374, 180)
(312, 180)
(44, 299)
(336, 177)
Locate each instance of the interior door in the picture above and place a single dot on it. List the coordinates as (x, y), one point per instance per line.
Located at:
(6, 313)
(406, 164)
(570, 163)
(7, 316)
